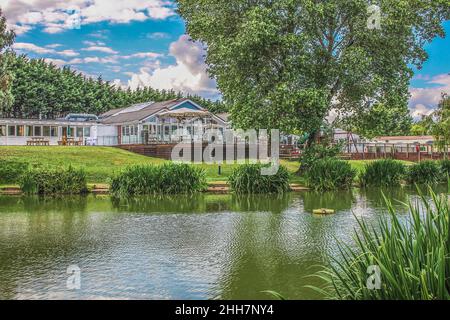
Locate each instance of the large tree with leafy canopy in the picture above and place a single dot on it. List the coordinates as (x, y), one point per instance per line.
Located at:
(441, 128)
(6, 40)
(286, 63)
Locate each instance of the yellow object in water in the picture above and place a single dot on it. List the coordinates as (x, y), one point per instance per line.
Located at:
(323, 211)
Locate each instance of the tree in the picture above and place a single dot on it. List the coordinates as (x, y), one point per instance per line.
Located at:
(441, 128)
(6, 40)
(285, 64)
(423, 127)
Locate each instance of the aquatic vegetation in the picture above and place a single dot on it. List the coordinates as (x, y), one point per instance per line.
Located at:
(383, 173)
(397, 260)
(425, 172)
(11, 170)
(247, 179)
(330, 174)
(168, 178)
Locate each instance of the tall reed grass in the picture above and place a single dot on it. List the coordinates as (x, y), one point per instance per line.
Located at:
(413, 256)
(425, 172)
(330, 174)
(383, 173)
(168, 178)
(247, 179)
(45, 181)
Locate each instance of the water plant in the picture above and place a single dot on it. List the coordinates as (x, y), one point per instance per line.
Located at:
(247, 179)
(383, 173)
(170, 178)
(45, 181)
(425, 172)
(11, 170)
(412, 258)
(330, 174)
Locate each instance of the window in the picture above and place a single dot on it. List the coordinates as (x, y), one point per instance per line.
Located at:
(136, 130)
(79, 132)
(11, 131)
(37, 131)
(28, 131)
(54, 131)
(70, 131)
(87, 131)
(20, 131)
(127, 131)
(46, 131)
(2, 131)
(166, 130)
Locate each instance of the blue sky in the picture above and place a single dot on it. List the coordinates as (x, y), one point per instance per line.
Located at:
(143, 42)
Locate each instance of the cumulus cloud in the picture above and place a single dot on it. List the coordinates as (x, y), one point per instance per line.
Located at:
(47, 50)
(56, 62)
(424, 100)
(100, 49)
(56, 16)
(188, 74)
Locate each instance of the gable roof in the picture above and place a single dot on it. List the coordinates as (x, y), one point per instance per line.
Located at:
(139, 112)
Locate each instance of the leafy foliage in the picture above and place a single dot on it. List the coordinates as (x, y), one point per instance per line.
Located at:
(317, 152)
(6, 40)
(285, 64)
(46, 181)
(425, 172)
(445, 169)
(330, 174)
(383, 173)
(441, 129)
(247, 179)
(413, 257)
(168, 178)
(11, 171)
(43, 89)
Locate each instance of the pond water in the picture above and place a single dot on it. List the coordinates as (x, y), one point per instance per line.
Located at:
(200, 247)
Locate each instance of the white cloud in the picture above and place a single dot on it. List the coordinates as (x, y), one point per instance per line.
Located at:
(54, 45)
(105, 60)
(158, 35)
(47, 50)
(56, 15)
(100, 49)
(424, 100)
(57, 62)
(68, 53)
(187, 75)
(142, 55)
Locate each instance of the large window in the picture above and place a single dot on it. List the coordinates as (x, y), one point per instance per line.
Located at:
(46, 131)
(20, 131)
(28, 131)
(54, 131)
(87, 131)
(11, 131)
(37, 131)
(79, 132)
(70, 131)
(2, 131)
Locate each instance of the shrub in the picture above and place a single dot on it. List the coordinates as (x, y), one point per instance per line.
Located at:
(11, 171)
(413, 256)
(330, 174)
(426, 172)
(445, 169)
(383, 173)
(247, 179)
(165, 179)
(317, 152)
(45, 181)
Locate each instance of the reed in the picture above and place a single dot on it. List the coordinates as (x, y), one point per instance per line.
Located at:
(330, 174)
(383, 173)
(247, 179)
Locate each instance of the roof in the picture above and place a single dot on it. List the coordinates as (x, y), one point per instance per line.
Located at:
(17, 121)
(409, 138)
(224, 116)
(138, 112)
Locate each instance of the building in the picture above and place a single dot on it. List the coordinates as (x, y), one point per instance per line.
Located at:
(162, 122)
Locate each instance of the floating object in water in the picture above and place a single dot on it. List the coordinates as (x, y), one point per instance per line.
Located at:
(323, 211)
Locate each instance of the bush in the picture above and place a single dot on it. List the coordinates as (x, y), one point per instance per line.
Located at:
(47, 181)
(413, 256)
(383, 173)
(445, 169)
(330, 174)
(165, 179)
(247, 179)
(11, 171)
(426, 172)
(318, 152)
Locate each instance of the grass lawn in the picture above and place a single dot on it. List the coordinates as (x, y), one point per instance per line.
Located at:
(101, 163)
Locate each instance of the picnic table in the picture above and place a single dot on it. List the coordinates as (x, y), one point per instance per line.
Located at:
(70, 142)
(38, 141)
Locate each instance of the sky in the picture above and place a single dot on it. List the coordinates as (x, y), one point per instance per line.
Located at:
(143, 42)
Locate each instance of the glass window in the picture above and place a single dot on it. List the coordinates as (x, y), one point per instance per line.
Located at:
(20, 131)
(11, 131)
(28, 131)
(127, 130)
(79, 132)
(87, 131)
(54, 131)
(2, 131)
(136, 130)
(167, 130)
(46, 131)
(70, 131)
(37, 131)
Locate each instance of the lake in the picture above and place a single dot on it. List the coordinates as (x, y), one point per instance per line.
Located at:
(183, 247)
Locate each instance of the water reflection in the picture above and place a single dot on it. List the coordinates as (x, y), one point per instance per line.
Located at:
(184, 247)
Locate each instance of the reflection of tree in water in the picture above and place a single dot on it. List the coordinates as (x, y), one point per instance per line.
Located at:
(337, 200)
(376, 197)
(265, 203)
